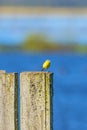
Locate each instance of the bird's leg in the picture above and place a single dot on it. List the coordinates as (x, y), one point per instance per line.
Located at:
(42, 69)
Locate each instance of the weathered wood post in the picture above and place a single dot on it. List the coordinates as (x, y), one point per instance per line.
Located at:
(36, 101)
(8, 101)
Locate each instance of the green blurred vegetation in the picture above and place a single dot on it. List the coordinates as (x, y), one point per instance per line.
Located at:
(39, 43)
(81, 48)
(36, 43)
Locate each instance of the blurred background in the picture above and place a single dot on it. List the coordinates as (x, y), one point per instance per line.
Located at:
(35, 30)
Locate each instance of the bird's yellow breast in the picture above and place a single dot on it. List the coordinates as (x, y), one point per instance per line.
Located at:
(46, 64)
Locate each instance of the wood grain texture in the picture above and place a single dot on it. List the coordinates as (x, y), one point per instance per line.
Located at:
(36, 98)
(8, 101)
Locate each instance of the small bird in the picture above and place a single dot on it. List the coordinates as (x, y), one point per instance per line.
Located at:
(46, 65)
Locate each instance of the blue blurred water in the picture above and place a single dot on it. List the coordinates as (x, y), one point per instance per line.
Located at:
(70, 84)
(59, 28)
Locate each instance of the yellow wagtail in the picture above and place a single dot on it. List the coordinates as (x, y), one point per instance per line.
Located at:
(46, 65)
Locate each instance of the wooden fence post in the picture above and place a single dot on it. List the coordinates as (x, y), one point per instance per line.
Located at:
(8, 101)
(36, 101)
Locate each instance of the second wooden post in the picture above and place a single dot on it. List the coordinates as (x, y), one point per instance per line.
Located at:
(36, 101)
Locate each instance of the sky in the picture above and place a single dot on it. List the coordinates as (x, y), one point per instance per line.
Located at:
(64, 29)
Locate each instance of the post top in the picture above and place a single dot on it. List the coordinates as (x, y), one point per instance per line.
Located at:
(36, 72)
(2, 71)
